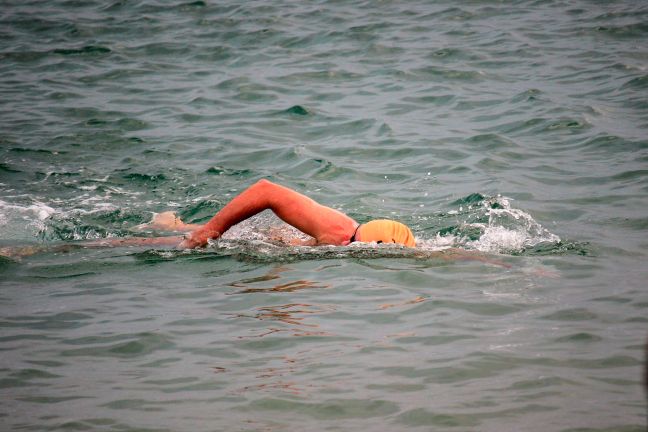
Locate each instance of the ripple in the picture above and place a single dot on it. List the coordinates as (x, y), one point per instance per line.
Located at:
(86, 50)
(297, 110)
(436, 72)
(628, 31)
(439, 100)
(328, 410)
(422, 417)
(579, 338)
(142, 345)
(322, 76)
(577, 314)
(491, 142)
(637, 83)
(60, 321)
(530, 95)
(612, 144)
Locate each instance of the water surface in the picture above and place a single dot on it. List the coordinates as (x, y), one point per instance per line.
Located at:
(515, 130)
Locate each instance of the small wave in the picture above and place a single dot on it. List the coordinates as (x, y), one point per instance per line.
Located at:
(528, 96)
(636, 83)
(612, 145)
(297, 110)
(317, 77)
(8, 169)
(491, 141)
(145, 178)
(222, 171)
(436, 72)
(86, 50)
(628, 31)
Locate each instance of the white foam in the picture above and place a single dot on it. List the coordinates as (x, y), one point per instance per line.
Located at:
(439, 242)
(508, 229)
(23, 221)
(498, 239)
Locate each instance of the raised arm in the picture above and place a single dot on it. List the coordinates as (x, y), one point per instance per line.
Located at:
(326, 225)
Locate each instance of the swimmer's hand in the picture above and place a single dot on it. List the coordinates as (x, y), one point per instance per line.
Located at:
(198, 238)
(167, 221)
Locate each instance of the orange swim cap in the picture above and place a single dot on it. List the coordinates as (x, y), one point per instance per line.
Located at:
(387, 231)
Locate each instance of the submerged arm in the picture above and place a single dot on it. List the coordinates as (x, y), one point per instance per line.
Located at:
(17, 252)
(132, 241)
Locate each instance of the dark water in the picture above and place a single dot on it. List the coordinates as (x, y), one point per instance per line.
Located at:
(515, 130)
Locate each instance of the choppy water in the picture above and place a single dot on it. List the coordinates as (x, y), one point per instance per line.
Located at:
(515, 129)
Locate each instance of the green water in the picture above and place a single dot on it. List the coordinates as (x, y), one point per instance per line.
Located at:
(516, 131)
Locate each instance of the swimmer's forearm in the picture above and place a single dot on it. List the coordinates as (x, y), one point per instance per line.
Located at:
(28, 250)
(251, 201)
(326, 225)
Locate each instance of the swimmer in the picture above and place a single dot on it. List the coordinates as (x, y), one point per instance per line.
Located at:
(325, 225)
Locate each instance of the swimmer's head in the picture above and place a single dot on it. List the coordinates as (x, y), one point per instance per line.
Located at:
(386, 231)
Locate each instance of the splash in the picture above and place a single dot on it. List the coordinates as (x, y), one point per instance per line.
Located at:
(23, 222)
(490, 225)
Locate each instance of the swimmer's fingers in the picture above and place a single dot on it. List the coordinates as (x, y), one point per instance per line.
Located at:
(191, 243)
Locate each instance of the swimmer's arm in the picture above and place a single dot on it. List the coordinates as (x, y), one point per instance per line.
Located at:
(292, 207)
(17, 252)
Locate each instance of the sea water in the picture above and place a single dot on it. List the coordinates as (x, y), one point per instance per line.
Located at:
(510, 136)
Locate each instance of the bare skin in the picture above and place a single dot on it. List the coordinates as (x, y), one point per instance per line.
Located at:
(327, 226)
